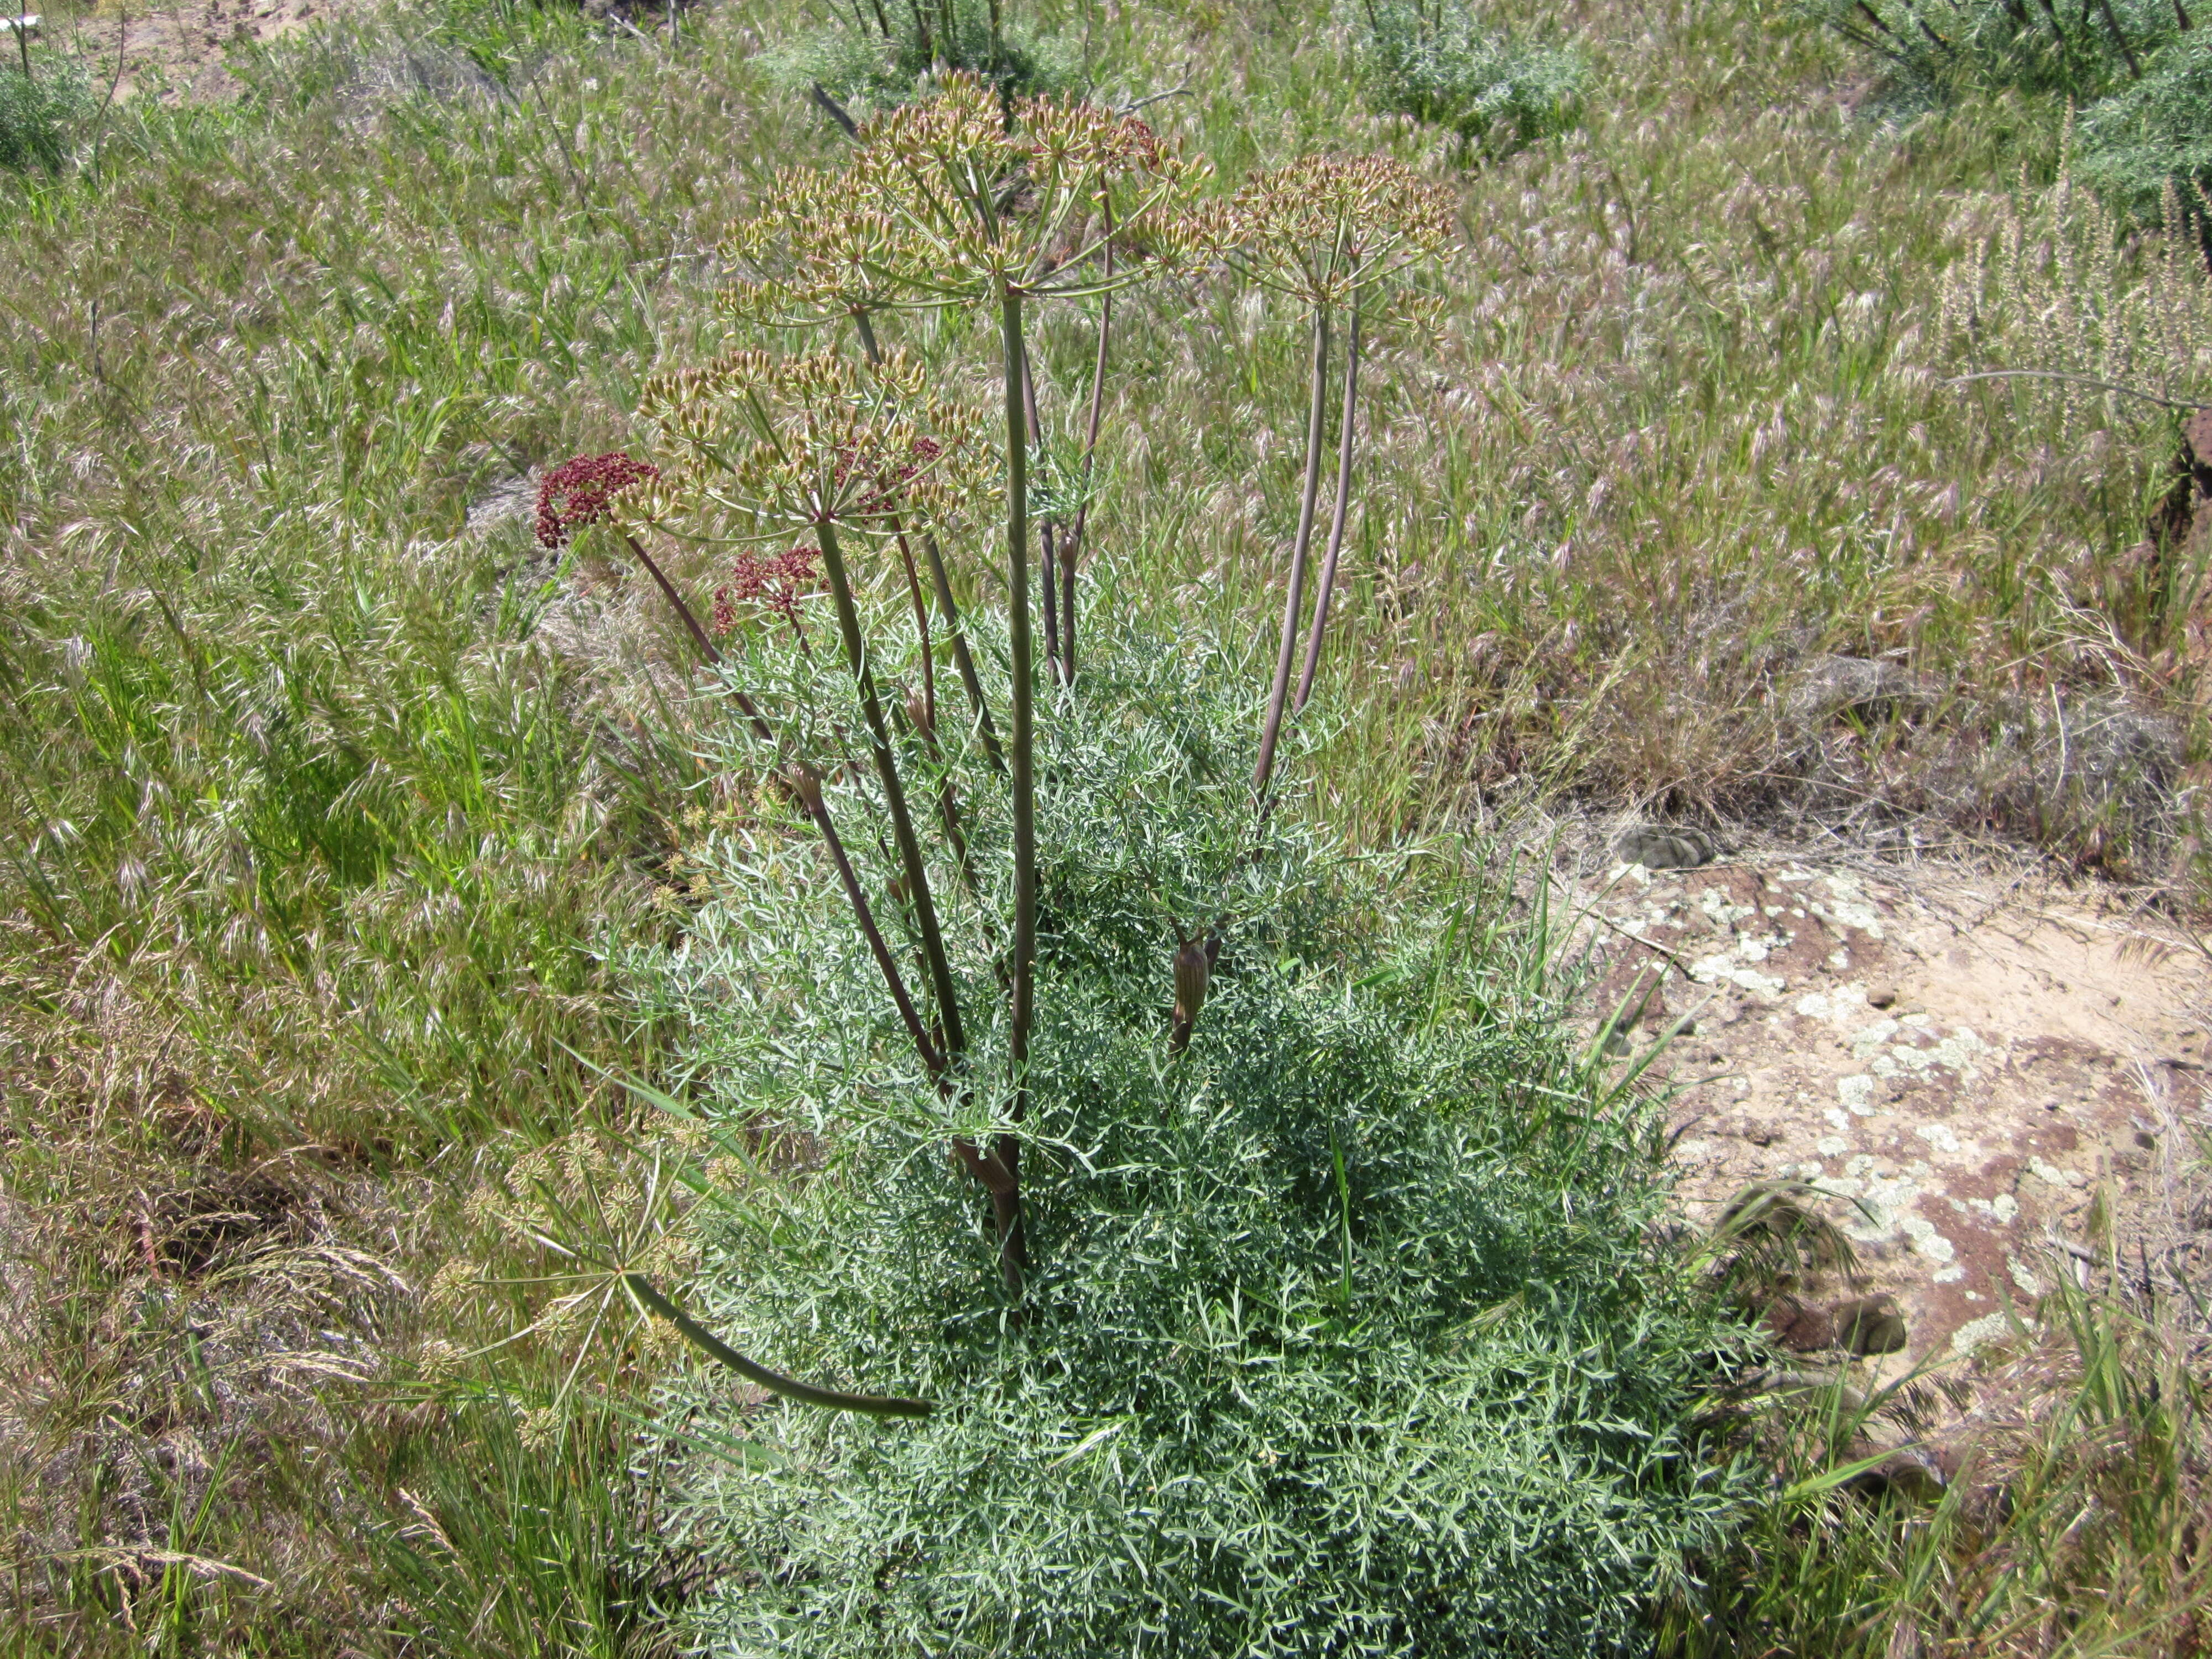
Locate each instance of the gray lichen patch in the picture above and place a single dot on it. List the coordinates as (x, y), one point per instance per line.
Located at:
(1958, 1070)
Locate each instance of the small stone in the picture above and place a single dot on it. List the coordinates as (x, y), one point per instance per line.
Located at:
(1909, 1472)
(1870, 1325)
(1667, 849)
(1882, 996)
(1797, 1327)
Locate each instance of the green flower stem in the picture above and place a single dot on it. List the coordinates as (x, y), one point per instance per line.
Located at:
(1045, 596)
(1316, 414)
(642, 1292)
(668, 588)
(809, 788)
(921, 627)
(1022, 744)
(948, 609)
(1328, 583)
(1072, 544)
(909, 848)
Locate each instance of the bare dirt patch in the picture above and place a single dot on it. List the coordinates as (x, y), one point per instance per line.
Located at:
(174, 52)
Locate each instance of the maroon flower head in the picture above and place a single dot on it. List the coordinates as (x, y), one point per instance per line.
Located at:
(576, 493)
(776, 583)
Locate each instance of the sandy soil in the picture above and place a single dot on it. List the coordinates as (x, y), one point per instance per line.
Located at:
(175, 51)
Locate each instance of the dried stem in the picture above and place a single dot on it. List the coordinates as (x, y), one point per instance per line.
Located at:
(1328, 583)
(1315, 415)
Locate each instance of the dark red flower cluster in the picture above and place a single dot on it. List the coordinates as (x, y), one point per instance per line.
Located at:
(891, 481)
(776, 582)
(576, 493)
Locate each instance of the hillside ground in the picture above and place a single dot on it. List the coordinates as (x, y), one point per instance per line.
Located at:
(331, 807)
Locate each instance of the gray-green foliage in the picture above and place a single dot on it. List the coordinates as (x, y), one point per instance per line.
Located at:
(1436, 61)
(1347, 1334)
(1942, 48)
(2155, 131)
(40, 107)
(2139, 75)
(870, 64)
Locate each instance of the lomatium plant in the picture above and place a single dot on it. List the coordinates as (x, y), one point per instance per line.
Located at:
(839, 475)
(1328, 232)
(1154, 1397)
(961, 202)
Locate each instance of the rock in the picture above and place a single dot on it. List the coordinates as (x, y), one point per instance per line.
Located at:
(1797, 1327)
(1908, 1472)
(1667, 849)
(1869, 1325)
(1882, 996)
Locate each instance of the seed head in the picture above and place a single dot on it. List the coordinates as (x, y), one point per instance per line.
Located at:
(945, 203)
(1324, 227)
(758, 446)
(775, 582)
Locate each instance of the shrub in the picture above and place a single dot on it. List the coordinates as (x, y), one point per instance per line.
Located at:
(41, 100)
(1940, 49)
(1433, 60)
(872, 62)
(2154, 132)
(1347, 1331)
(2140, 75)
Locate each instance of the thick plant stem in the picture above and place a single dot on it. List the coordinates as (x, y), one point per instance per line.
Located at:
(809, 788)
(668, 588)
(1046, 602)
(1328, 583)
(1293, 601)
(949, 611)
(1022, 745)
(910, 847)
(1071, 545)
(873, 353)
(921, 629)
(648, 1297)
